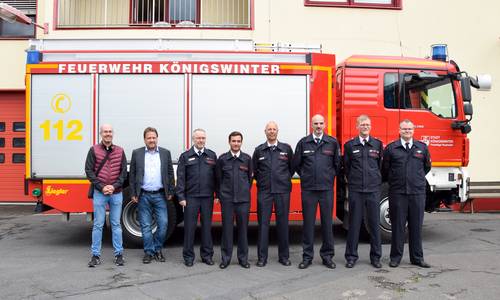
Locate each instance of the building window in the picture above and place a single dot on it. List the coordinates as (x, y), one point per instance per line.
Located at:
(18, 142)
(390, 4)
(17, 30)
(154, 13)
(149, 12)
(2, 158)
(2, 142)
(2, 126)
(18, 127)
(18, 158)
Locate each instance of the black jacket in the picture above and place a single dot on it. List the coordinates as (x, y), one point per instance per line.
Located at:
(196, 174)
(136, 175)
(362, 164)
(234, 177)
(405, 170)
(273, 169)
(317, 164)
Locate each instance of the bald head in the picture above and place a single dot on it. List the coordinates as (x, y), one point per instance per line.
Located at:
(106, 133)
(318, 124)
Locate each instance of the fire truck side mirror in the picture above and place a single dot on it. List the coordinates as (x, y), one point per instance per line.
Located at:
(465, 83)
(468, 109)
(484, 82)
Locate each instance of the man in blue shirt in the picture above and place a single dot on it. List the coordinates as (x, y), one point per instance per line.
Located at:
(151, 185)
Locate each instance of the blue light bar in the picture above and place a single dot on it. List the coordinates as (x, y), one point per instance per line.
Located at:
(439, 52)
(33, 57)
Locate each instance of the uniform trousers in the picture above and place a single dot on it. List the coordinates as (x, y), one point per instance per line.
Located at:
(234, 211)
(265, 202)
(310, 201)
(361, 203)
(202, 206)
(406, 208)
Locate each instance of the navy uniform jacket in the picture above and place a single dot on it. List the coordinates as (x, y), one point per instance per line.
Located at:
(405, 170)
(362, 164)
(273, 169)
(316, 164)
(234, 177)
(196, 174)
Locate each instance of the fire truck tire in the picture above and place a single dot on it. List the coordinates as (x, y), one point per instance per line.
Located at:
(385, 222)
(132, 235)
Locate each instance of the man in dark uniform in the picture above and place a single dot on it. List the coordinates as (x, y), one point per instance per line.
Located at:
(195, 191)
(317, 161)
(362, 164)
(272, 165)
(234, 180)
(405, 164)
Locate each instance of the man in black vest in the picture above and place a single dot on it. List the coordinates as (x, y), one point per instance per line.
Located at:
(317, 161)
(195, 190)
(234, 180)
(405, 164)
(362, 163)
(272, 165)
(151, 185)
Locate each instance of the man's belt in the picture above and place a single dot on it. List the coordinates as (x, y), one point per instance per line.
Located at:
(153, 192)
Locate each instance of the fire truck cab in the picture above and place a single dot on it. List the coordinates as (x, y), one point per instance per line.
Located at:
(434, 94)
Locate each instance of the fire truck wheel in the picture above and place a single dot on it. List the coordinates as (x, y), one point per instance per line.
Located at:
(385, 222)
(132, 235)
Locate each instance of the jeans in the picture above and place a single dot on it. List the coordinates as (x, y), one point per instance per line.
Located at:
(115, 209)
(150, 204)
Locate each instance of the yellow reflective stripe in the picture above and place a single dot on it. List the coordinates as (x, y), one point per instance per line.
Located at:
(446, 164)
(41, 66)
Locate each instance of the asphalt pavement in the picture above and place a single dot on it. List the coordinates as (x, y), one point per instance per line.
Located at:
(43, 257)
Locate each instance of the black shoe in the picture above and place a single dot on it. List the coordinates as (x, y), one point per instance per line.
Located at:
(376, 264)
(245, 265)
(94, 261)
(329, 264)
(208, 261)
(393, 264)
(223, 265)
(350, 264)
(286, 262)
(304, 264)
(421, 264)
(147, 258)
(159, 256)
(119, 261)
(188, 263)
(261, 263)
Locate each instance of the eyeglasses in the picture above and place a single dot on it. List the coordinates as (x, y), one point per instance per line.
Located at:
(365, 125)
(406, 129)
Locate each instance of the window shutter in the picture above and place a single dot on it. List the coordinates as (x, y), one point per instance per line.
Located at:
(26, 6)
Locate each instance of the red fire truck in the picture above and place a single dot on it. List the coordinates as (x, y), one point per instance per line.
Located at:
(73, 86)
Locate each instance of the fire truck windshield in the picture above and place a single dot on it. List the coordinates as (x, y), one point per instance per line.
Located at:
(434, 93)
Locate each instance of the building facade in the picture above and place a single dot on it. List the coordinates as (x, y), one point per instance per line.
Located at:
(345, 28)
